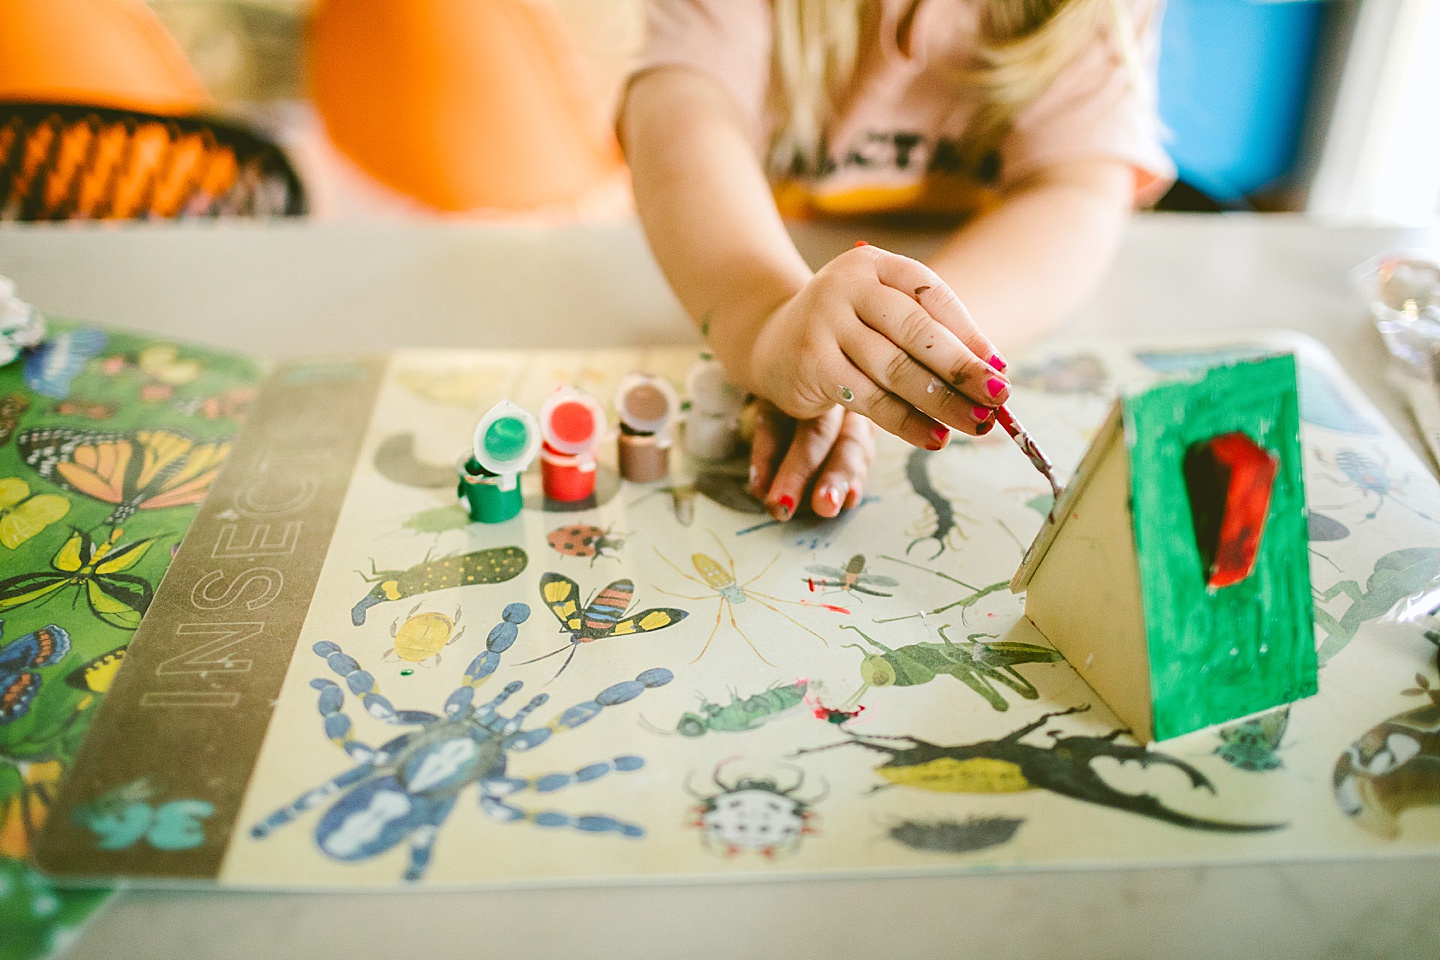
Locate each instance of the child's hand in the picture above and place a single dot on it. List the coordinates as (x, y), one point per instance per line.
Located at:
(834, 450)
(883, 336)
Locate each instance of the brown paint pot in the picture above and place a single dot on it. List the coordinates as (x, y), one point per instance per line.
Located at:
(647, 407)
(643, 457)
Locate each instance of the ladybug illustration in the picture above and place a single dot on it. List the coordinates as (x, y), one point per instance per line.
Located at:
(584, 540)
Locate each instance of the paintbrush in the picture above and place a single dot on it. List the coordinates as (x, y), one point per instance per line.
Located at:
(1031, 449)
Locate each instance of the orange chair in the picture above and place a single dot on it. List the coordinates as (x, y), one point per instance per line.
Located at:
(460, 104)
(98, 121)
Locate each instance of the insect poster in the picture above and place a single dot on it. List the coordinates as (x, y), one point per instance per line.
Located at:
(345, 683)
(108, 442)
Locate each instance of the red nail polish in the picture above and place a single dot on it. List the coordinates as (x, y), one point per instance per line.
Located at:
(861, 243)
(787, 506)
(995, 386)
(998, 362)
(981, 413)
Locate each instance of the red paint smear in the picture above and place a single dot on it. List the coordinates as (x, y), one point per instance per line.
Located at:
(1247, 504)
(572, 422)
(811, 581)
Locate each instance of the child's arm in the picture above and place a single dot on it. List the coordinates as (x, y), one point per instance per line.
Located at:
(878, 332)
(1028, 262)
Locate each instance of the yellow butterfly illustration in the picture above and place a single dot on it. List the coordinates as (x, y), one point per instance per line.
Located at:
(120, 599)
(24, 514)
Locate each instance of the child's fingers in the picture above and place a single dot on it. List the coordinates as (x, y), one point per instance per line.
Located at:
(895, 371)
(860, 394)
(914, 279)
(772, 433)
(910, 354)
(906, 324)
(846, 467)
(808, 448)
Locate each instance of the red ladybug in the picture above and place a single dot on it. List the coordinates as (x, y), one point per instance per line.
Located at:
(584, 540)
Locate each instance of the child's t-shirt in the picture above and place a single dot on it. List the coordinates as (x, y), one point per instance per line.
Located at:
(896, 144)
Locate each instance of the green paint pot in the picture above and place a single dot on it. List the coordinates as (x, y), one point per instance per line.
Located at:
(489, 498)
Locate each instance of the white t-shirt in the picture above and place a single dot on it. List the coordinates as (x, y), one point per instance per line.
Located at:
(895, 143)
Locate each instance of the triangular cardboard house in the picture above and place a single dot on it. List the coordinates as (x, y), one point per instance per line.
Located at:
(1174, 572)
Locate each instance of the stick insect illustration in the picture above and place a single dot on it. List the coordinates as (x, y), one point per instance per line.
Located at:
(964, 603)
(731, 592)
(811, 531)
(852, 580)
(406, 788)
(977, 665)
(602, 615)
(1010, 764)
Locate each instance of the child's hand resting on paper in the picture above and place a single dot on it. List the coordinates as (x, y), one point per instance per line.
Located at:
(872, 337)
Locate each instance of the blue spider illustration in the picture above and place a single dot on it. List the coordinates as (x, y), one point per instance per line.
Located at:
(406, 788)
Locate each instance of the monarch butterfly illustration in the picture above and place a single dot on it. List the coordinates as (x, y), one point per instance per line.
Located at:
(601, 616)
(143, 470)
(24, 514)
(18, 685)
(120, 599)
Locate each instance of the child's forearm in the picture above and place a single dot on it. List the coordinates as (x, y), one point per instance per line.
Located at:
(1024, 265)
(707, 209)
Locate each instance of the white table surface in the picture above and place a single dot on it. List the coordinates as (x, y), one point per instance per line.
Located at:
(299, 290)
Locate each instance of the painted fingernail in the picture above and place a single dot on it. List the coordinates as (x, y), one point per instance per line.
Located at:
(995, 386)
(787, 506)
(998, 362)
(861, 243)
(983, 428)
(982, 413)
(854, 496)
(938, 436)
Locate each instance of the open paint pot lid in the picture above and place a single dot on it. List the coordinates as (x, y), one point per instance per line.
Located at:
(710, 393)
(506, 439)
(573, 421)
(646, 403)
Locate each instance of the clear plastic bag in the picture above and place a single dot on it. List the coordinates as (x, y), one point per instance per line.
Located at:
(1403, 293)
(1403, 290)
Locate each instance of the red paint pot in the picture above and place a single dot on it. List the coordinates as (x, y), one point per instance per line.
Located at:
(573, 424)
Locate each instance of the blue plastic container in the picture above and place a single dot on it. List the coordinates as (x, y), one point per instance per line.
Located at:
(1235, 78)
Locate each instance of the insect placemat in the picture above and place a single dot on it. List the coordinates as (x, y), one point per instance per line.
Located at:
(108, 441)
(345, 683)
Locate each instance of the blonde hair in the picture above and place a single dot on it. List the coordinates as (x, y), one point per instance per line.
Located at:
(1024, 45)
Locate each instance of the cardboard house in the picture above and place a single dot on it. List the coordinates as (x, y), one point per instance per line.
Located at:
(1174, 573)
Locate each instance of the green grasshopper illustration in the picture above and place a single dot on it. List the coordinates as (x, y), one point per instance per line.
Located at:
(973, 663)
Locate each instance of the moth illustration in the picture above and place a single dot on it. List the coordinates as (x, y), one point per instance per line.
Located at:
(603, 615)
